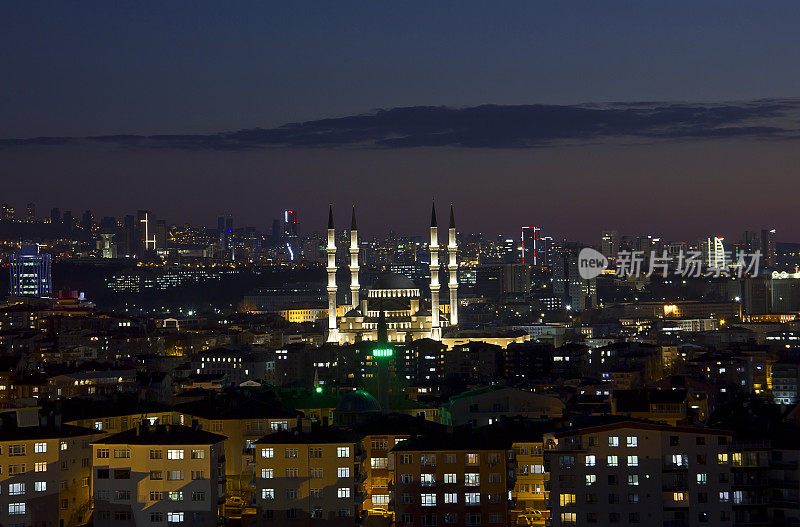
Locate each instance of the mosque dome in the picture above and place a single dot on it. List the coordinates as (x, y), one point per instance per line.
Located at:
(358, 401)
(393, 281)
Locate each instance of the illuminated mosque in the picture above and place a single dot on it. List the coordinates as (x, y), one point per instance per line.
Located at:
(408, 316)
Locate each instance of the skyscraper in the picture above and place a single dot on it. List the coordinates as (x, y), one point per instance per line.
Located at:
(146, 232)
(7, 212)
(29, 272)
(55, 216)
(768, 247)
(30, 213)
(530, 239)
(68, 220)
(87, 221)
(290, 239)
(609, 244)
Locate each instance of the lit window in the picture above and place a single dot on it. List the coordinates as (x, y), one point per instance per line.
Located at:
(175, 517)
(613, 441)
(16, 489)
(40, 447)
(633, 479)
(632, 441)
(590, 460)
(450, 497)
(633, 461)
(268, 494)
(343, 492)
(267, 452)
(566, 499)
(267, 473)
(428, 500)
(174, 454)
(702, 479)
(613, 461)
(450, 478)
(343, 472)
(679, 496)
(591, 479)
(343, 451)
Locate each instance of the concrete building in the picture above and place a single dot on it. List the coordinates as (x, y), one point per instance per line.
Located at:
(308, 475)
(154, 474)
(638, 472)
(46, 470)
(452, 479)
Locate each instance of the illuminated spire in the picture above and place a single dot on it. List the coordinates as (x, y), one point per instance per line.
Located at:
(330, 217)
(452, 218)
(353, 223)
(433, 214)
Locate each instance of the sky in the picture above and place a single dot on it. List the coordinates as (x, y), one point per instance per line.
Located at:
(677, 119)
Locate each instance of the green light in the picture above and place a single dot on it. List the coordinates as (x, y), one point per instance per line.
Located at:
(318, 389)
(383, 352)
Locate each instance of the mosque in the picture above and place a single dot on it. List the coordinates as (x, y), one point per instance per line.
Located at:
(408, 315)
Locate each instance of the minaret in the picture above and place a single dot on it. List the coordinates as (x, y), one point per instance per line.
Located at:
(436, 332)
(452, 266)
(354, 287)
(333, 329)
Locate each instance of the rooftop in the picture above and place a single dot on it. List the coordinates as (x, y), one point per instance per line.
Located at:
(162, 435)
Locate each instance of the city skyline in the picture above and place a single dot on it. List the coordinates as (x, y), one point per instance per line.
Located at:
(191, 110)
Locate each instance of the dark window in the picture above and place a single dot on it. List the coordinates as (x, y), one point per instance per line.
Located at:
(102, 473)
(674, 441)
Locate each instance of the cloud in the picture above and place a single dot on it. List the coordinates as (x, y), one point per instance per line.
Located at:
(489, 126)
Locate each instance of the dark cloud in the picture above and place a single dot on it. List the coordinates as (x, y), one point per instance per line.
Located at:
(490, 126)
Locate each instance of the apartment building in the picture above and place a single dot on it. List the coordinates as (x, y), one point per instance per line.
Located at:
(637, 472)
(457, 478)
(530, 493)
(45, 471)
(380, 435)
(309, 473)
(242, 423)
(163, 473)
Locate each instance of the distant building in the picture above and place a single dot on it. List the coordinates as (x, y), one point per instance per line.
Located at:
(610, 244)
(768, 247)
(30, 273)
(568, 285)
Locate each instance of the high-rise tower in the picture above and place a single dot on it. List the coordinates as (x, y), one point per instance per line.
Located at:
(333, 330)
(436, 331)
(452, 266)
(354, 287)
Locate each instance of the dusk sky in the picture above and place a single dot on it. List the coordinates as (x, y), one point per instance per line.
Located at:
(678, 119)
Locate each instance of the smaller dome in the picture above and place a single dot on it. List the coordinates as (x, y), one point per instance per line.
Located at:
(358, 401)
(353, 313)
(393, 281)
